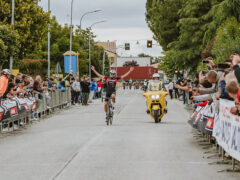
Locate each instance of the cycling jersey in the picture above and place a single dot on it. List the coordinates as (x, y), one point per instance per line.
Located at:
(111, 86)
(111, 83)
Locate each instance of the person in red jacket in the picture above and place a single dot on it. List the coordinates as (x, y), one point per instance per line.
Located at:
(5, 74)
(100, 87)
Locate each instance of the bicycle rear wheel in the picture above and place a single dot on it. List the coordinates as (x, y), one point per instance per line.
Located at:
(110, 120)
(108, 115)
(107, 121)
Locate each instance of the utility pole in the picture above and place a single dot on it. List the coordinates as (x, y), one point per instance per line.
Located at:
(89, 45)
(49, 45)
(70, 62)
(12, 23)
(103, 63)
(89, 12)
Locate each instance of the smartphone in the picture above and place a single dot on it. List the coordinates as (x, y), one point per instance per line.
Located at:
(227, 72)
(204, 72)
(205, 61)
(223, 66)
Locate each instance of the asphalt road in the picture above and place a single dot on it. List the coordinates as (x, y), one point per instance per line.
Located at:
(76, 144)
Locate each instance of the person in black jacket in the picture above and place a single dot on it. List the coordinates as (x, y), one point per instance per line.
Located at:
(85, 86)
(236, 60)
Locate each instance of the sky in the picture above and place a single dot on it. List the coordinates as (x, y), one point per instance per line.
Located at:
(125, 22)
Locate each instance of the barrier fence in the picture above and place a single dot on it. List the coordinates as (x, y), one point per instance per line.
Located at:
(221, 129)
(16, 112)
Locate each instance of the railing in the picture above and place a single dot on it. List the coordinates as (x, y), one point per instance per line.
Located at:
(21, 111)
(221, 130)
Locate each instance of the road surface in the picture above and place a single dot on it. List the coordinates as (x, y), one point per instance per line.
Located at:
(75, 144)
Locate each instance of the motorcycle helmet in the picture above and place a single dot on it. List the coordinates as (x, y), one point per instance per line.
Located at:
(6, 72)
(113, 72)
(156, 75)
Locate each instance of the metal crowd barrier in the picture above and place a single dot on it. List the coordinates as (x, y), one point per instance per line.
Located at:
(48, 104)
(210, 143)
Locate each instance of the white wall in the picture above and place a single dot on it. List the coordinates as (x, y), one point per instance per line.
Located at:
(142, 61)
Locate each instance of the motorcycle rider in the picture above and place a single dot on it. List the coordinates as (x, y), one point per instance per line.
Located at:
(111, 84)
(155, 84)
(5, 75)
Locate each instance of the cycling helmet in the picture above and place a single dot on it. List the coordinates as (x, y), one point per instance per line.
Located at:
(6, 72)
(156, 75)
(112, 72)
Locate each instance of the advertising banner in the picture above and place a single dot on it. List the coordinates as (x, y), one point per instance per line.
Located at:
(227, 129)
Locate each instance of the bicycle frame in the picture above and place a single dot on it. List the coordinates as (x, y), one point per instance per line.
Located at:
(109, 114)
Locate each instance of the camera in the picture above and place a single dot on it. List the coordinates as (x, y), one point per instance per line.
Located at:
(205, 61)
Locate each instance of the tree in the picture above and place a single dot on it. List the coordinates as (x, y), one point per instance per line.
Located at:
(9, 45)
(195, 24)
(162, 18)
(31, 24)
(227, 40)
(60, 44)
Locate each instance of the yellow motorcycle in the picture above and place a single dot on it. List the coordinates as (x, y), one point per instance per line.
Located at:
(156, 103)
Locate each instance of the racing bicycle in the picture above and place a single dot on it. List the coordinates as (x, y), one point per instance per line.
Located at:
(109, 113)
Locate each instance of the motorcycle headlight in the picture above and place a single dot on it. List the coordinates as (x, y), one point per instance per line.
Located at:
(155, 96)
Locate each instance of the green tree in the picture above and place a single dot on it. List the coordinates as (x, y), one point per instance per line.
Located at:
(60, 44)
(30, 23)
(195, 26)
(227, 40)
(9, 44)
(162, 18)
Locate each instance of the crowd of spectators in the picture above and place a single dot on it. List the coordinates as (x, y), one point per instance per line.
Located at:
(220, 81)
(83, 90)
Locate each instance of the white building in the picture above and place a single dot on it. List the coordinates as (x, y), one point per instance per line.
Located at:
(141, 61)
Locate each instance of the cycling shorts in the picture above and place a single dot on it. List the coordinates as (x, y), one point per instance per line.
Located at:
(109, 95)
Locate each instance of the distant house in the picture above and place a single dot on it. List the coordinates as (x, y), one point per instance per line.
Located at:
(111, 50)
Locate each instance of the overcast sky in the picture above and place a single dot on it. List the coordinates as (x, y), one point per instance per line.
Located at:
(125, 21)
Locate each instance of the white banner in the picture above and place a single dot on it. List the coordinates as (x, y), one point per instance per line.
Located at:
(227, 129)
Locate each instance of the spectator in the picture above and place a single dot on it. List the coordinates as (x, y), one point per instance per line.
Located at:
(5, 75)
(176, 92)
(37, 89)
(213, 77)
(76, 90)
(9, 90)
(92, 90)
(61, 85)
(85, 86)
(170, 88)
(100, 86)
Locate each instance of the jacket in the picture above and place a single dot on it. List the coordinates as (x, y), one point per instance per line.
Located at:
(215, 88)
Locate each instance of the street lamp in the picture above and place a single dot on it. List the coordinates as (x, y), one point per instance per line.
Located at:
(89, 44)
(70, 61)
(48, 42)
(89, 12)
(12, 23)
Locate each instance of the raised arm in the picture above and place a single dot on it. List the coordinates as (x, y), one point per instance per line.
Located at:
(125, 75)
(98, 74)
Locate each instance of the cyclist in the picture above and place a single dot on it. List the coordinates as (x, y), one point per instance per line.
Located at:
(111, 84)
(5, 75)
